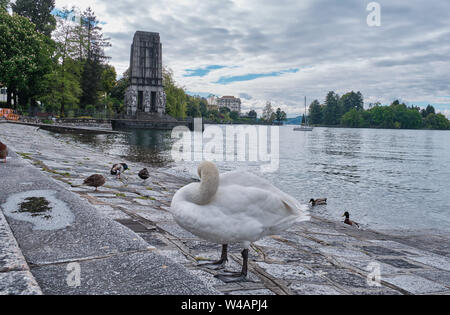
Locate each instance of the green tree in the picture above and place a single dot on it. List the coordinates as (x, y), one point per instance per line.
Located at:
(176, 97)
(315, 113)
(252, 115)
(351, 100)
(4, 4)
(331, 114)
(234, 115)
(193, 107)
(25, 57)
(120, 86)
(39, 12)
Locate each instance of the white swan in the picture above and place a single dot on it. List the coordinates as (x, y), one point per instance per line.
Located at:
(235, 207)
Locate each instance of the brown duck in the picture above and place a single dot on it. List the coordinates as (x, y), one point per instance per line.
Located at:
(3, 151)
(95, 180)
(318, 202)
(144, 174)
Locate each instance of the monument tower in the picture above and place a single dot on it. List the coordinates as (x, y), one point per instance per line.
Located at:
(145, 98)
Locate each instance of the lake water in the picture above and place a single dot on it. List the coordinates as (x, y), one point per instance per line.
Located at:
(386, 179)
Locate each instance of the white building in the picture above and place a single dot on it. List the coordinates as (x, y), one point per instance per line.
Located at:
(3, 96)
(233, 103)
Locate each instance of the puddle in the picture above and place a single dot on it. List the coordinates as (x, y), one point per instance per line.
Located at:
(41, 208)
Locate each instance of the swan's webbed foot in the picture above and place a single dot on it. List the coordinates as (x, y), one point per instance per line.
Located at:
(229, 277)
(220, 264)
(216, 265)
(232, 277)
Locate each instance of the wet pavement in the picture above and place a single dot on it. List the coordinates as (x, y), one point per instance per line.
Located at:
(317, 257)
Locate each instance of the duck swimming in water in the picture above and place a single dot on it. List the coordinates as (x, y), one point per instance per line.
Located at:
(3, 151)
(235, 207)
(348, 221)
(318, 202)
(118, 169)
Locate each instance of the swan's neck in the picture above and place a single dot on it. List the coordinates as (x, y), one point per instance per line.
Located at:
(205, 191)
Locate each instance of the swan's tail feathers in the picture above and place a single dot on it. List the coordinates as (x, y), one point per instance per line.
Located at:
(300, 212)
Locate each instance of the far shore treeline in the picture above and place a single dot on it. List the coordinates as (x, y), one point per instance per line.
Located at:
(348, 111)
(53, 61)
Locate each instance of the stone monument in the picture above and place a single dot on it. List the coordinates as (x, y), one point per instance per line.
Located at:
(145, 98)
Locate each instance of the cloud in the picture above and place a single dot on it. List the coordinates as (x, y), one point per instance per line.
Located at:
(253, 40)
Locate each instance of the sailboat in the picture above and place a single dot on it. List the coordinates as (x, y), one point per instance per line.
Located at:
(305, 126)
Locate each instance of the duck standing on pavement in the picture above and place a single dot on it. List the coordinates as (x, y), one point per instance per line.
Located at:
(3, 151)
(118, 169)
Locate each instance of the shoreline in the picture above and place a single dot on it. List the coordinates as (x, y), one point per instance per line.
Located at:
(321, 256)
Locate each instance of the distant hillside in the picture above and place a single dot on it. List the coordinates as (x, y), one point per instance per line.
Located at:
(294, 121)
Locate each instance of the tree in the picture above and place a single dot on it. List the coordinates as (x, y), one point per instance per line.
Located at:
(4, 4)
(234, 115)
(92, 43)
(252, 115)
(352, 100)
(120, 86)
(176, 97)
(193, 108)
(39, 12)
(25, 57)
(268, 115)
(315, 113)
(331, 115)
(280, 115)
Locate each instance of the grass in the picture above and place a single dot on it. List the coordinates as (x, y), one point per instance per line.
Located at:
(25, 156)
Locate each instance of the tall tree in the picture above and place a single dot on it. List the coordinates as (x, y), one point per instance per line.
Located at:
(39, 12)
(91, 39)
(315, 113)
(331, 111)
(268, 114)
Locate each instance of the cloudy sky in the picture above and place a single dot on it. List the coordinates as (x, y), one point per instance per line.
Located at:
(281, 51)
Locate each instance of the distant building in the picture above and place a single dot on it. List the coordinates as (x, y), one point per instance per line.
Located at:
(3, 94)
(212, 100)
(233, 103)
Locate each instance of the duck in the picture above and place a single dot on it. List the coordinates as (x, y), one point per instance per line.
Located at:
(118, 169)
(348, 221)
(3, 151)
(144, 174)
(318, 202)
(95, 180)
(233, 208)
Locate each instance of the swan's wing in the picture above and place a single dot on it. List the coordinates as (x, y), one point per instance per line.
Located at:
(246, 179)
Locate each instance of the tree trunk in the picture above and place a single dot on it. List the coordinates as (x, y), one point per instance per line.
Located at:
(8, 97)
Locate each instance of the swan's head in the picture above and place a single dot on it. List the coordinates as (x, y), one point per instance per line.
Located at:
(207, 170)
(206, 190)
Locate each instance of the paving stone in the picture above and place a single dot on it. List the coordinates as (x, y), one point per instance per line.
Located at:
(289, 272)
(381, 251)
(415, 284)
(175, 255)
(144, 273)
(342, 252)
(299, 257)
(300, 288)
(110, 212)
(253, 292)
(11, 257)
(270, 242)
(176, 230)
(18, 283)
(343, 277)
(400, 263)
(439, 262)
(439, 276)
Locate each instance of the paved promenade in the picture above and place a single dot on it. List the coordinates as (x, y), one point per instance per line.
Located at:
(126, 241)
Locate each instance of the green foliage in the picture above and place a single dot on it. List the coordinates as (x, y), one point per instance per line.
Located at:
(331, 113)
(176, 98)
(39, 12)
(268, 115)
(4, 4)
(315, 113)
(280, 115)
(252, 115)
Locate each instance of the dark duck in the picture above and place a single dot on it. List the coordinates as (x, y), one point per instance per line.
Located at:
(3, 151)
(95, 180)
(318, 202)
(348, 221)
(118, 169)
(144, 174)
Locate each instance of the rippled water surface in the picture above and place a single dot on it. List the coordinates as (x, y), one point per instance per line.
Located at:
(386, 179)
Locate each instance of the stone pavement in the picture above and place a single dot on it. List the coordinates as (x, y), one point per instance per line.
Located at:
(317, 257)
